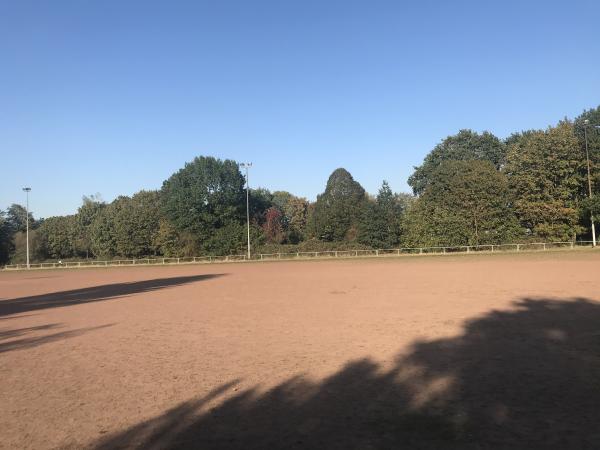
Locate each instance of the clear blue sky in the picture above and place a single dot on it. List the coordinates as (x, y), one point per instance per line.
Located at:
(114, 96)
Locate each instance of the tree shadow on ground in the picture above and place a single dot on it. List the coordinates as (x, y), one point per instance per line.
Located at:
(528, 377)
(94, 294)
(8, 343)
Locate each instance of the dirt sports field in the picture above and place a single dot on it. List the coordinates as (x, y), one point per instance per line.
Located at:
(476, 352)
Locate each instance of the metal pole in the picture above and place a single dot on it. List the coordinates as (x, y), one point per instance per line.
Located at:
(247, 166)
(27, 189)
(587, 157)
(27, 229)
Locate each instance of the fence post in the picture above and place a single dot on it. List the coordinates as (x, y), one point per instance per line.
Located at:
(177, 260)
(376, 252)
(571, 245)
(420, 250)
(336, 254)
(518, 247)
(492, 249)
(544, 246)
(279, 255)
(398, 251)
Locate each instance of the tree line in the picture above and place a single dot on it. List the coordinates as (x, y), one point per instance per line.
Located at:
(472, 188)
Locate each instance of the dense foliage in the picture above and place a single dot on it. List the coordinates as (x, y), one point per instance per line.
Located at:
(465, 146)
(472, 188)
(337, 210)
(466, 203)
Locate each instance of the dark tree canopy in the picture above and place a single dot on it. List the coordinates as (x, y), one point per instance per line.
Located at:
(466, 203)
(86, 214)
(16, 218)
(6, 245)
(546, 173)
(593, 138)
(464, 146)
(206, 195)
(380, 221)
(58, 237)
(338, 209)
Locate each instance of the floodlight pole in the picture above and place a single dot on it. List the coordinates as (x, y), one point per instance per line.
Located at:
(27, 190)
(247, 166)
(587, 157)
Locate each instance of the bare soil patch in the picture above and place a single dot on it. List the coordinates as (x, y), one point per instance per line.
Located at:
(484, 351)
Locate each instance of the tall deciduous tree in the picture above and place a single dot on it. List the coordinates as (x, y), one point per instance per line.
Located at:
(546, 172)
(464, 146)
(86, 214)
(16, 216)
(136, 224)
(296, 217)
(6, 245)
(465, 203)
(260, 201)
(273, 226)
(57, 237)
(102, 234)
(592, 116)
(206, 198)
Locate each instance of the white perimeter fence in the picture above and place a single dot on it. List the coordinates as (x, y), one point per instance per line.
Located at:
(534, 246)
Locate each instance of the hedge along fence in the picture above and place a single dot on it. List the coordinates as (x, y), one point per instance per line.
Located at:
(128, 262)
(488, 248)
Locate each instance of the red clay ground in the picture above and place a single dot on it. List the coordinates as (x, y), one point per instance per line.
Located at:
(434, 352)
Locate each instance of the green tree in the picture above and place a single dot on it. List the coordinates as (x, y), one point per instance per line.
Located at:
(281, 199)
(260, 201)
(16, 217)
(380, 222)
(546, 174)
(19, 255)
(86, 214)
(168, 240)
(592, 116)
(6, 244)
(296, 217)
(465, 203)
(464, 146)
(136, 223)
(57, 237)
(206, 199)
(102, 234)
(337, 210)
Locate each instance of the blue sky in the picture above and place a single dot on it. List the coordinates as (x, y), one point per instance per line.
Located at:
(114, 96)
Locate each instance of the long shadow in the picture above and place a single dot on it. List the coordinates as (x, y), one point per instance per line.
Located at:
(94, 294)
(16, 332)
(30, 342)
(525, 378)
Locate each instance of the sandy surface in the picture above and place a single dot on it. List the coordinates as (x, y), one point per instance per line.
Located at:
(419, 352)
